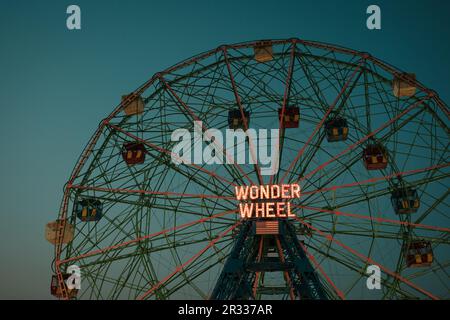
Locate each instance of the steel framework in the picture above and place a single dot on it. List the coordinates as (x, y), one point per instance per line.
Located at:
(167, 230)
(240, 275)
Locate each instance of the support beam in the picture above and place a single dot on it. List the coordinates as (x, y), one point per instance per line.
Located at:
(237, 280)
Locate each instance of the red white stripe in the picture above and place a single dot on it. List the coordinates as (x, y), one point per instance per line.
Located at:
(267, 227)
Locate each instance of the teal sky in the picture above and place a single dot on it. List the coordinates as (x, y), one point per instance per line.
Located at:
(56, 85)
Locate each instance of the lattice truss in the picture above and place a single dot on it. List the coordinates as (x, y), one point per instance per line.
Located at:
(166, 229)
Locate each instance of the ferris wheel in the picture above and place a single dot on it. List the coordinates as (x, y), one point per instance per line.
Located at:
(366, 142)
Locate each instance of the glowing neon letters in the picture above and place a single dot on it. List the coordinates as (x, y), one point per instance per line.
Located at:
(266, 201)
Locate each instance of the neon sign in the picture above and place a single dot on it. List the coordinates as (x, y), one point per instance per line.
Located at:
(266, 201)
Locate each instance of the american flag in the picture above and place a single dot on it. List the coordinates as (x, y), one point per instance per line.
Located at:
(267, 227)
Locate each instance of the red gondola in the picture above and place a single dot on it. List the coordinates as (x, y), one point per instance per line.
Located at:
(419, 254)
(133, 153)
(291, 117)
(375, 157)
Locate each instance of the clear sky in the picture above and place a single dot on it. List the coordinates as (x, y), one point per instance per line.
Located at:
(56, 85)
